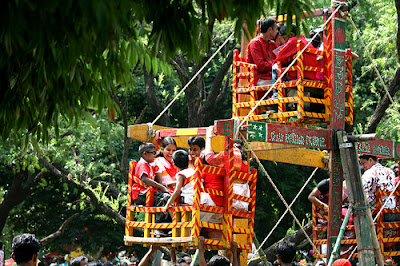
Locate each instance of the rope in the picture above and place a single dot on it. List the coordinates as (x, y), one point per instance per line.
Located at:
(193, 78)
(380, 211)
(291, 64)
(258, 258)
(286, 211)
(149, 131)
(283, 200)
(374, 66)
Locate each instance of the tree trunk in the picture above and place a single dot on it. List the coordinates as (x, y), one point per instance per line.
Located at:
(152, 99)
(297, 238)
(380, 110)
(20, 189)
(202, 103)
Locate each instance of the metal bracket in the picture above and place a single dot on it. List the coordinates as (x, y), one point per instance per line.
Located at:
(345, 145)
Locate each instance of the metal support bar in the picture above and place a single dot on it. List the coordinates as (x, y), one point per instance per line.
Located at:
(336, 249)
(363, 137)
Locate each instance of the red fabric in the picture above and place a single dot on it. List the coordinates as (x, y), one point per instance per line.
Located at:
(244, 168)
(290, 49)
(260, 52)
(341, 262)
(213, 181)
(218, 159)
(141, 167)
(172, 171)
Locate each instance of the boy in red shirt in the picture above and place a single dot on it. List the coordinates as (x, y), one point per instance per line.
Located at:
(145, 171)
(212, 181)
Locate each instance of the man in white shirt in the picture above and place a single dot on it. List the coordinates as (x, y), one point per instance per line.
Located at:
(375, 176)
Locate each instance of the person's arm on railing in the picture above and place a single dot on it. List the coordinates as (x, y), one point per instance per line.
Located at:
(202, 259)
(313, 197)
(180, 179)
(150, 182)
(148, 255)
(235, 254)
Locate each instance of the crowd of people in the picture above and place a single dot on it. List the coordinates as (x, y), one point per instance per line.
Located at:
(26, 247)
(167, 170)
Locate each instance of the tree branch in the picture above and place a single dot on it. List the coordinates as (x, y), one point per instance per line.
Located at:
(380, 109)
(59, 232)
(99, 205)
(216, 85)
(127, 141)
(19, 190)
(152, 99)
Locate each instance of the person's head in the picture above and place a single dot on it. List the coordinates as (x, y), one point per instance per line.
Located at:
(184, 259)
(1, 244)
(148, 152)
(79, 261)
(285, 251)
(395, 168)
(168, 147)
(268, 28)
(317, 40)
(279, 39)
(239, 144)
(218, 260)
(367, 161)
(196, 145)
(25, 249)
(283, 33)
(181, 159)
(341, 262)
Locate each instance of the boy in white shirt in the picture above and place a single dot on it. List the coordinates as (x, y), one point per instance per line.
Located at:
(181, 160)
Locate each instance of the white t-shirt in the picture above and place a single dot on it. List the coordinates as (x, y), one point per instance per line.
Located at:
(187, 191)
(1, 257)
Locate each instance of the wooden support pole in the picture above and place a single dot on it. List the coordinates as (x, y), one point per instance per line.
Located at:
(375, 242)
(352, 174)
(336, 51)
(260, 252)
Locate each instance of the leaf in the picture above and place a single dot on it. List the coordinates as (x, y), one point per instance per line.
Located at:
(89, 118)
(155, 65)
(35, 145)
(148, 62)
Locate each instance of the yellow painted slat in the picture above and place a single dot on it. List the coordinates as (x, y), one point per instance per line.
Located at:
(289, 154)
(140, 133)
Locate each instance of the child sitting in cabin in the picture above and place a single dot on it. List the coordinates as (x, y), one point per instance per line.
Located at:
(186, 192)
(211, 181)
(145, 171)
(240, 187)
(181, 160)
(164, 165)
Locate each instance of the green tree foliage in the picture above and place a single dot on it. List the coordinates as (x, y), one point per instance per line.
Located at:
(90, 153)
(61, 57)
(377, 22)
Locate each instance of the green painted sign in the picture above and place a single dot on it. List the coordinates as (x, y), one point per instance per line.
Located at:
(257, 131)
